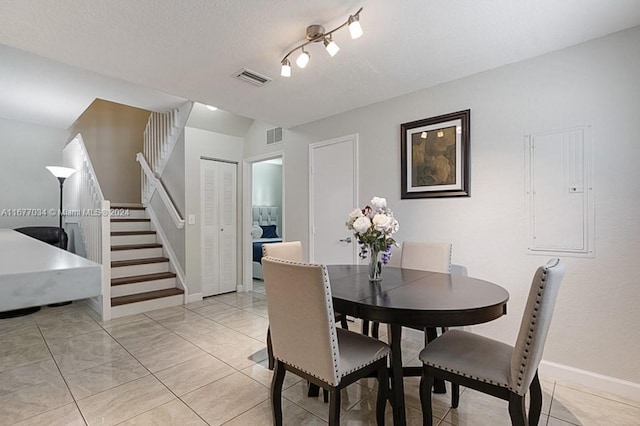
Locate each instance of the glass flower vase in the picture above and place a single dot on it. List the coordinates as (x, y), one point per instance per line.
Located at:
(375, 266)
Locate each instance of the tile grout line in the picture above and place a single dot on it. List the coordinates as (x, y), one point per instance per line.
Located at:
(240, 371)
(75, 401)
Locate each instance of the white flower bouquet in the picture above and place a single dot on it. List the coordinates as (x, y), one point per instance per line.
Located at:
(373, 227)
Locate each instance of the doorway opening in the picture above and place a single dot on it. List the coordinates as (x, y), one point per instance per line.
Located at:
(264, 216)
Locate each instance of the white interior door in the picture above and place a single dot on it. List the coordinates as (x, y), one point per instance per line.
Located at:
(218, 183)
(333, 194)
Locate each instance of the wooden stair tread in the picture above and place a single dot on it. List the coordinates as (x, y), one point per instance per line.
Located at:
(141, 297)
(123, 233)
(133, 262)
(130, 219)
(136, 246)
(142, 278)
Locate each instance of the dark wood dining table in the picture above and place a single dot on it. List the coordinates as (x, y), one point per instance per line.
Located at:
(407, 297)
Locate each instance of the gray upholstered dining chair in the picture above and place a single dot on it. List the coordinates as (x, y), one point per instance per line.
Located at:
(493, 367)
(292, 251)
(434, 257)
(307, 343)
(422, 256)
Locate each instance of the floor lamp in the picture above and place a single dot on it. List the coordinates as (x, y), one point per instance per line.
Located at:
(62, 173)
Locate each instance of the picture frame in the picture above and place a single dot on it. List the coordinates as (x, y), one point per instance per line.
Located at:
(434, 155)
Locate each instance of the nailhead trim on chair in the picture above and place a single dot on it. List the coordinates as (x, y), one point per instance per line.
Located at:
(344, 373)
(525, 357)
(332, 326)
(324, 379)
(334, 337)
(460, 373)
(532, 328)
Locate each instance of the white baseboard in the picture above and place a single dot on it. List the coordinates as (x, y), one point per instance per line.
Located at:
(595, 381)
(193, 297)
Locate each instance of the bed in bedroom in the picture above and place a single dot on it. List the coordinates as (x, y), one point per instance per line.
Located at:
(264, 231)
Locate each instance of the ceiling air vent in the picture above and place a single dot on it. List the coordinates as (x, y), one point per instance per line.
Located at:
(274, 135)
(252, 77)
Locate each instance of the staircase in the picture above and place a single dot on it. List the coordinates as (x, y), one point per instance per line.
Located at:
(141, 277)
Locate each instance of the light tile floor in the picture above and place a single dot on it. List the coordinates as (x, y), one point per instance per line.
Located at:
(205, 363)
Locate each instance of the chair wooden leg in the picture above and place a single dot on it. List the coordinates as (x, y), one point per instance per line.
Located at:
(325, 395)
(313, 391)
(383, 393)
(276, 393)
(375, 330)
(426, 384)
(535, 401)
(455, 395)
(517, 410)
(334, 407)
(343, 322)
(269, 350)
(365, 327)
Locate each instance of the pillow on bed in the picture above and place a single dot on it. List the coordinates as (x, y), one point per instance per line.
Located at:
(256, 232)
(269, 231)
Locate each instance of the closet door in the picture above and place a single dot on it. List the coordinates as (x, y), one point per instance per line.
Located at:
(218, 230)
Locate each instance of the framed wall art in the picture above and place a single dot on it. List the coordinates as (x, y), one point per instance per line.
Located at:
(434, 153)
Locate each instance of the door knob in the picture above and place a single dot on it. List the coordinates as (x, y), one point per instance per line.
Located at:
(346, 240)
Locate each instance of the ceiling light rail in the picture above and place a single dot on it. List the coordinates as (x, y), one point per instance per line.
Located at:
(317, 33)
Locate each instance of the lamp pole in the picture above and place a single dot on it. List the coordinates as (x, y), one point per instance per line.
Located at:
(61, 179)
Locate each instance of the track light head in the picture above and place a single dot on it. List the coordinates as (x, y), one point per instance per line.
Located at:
(303, 59)
(331, 46)
(354, 26)
(285, 71)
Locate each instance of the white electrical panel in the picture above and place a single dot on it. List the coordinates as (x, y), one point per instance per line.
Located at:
(560, 202)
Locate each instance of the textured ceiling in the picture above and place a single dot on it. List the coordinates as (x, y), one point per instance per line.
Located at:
(189, 49)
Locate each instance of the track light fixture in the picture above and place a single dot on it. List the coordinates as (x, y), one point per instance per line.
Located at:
(317, 33)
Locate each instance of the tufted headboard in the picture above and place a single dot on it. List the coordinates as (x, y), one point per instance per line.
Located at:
(265, 215)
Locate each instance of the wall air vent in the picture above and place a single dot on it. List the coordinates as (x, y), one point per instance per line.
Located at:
(252, 77)
(274, 135)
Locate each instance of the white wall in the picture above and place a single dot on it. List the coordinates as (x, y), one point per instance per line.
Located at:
(596, 83)
(24, 181)
(173, 175)
(215, 146)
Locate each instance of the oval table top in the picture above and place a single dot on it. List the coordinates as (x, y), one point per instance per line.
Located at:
(415, 298)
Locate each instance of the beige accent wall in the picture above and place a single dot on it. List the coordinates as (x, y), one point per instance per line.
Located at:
(113, 135)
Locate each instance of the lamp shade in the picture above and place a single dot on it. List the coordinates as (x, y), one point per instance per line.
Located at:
(303, 59)
(285, 71)
(61, 172)
(331, 46)
(355, 29)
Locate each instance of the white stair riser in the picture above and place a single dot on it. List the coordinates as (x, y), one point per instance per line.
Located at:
(147, 268)
(121, 240)
(136, 254)
(146, 306)
(126, 213)
(142, 287)
(130, 226)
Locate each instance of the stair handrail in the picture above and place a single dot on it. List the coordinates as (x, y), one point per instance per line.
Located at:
(164, 196)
